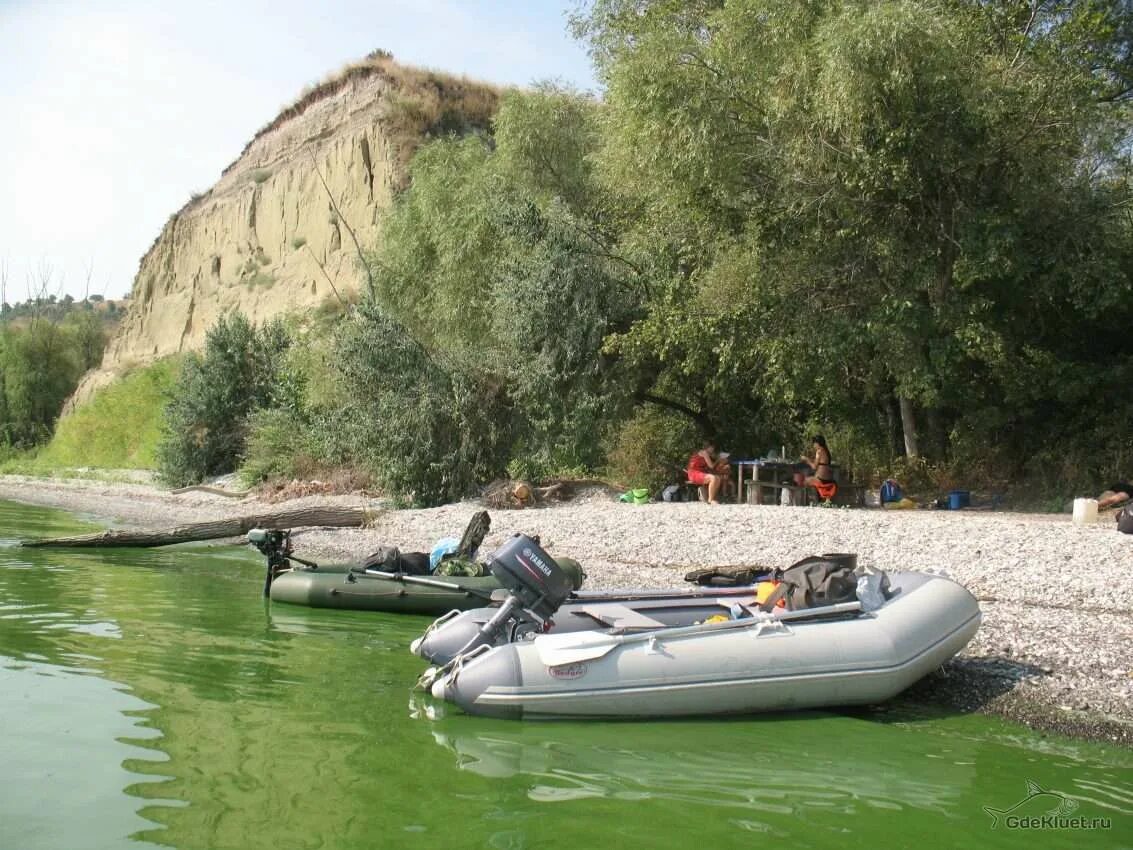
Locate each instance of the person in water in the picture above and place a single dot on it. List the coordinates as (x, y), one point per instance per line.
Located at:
(1115, 494)
(708, 469)
(817, 472)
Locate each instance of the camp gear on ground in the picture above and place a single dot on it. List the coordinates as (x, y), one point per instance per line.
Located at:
(890, 491)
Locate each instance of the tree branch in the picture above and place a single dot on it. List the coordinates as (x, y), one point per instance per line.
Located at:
(346, 224)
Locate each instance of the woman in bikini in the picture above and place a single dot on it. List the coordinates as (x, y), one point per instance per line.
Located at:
(822, 475)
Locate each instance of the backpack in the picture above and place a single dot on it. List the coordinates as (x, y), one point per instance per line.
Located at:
(814, 582)
(1125, 520)
(672, 493)
(890, 491)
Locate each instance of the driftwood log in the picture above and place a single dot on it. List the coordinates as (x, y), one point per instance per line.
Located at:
(204, 488)
(295, 518)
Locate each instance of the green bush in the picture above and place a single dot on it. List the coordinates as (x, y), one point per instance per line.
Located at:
(423, 428)
(279, 445)
(206, 419)
(652, 448)
(40, 366)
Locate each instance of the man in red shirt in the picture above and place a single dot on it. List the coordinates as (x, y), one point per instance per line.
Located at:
(707, 468)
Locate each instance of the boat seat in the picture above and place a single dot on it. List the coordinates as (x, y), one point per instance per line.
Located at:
(619, 617)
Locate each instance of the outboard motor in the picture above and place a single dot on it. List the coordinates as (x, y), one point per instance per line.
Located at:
(536, 586)
(534, 579)
(275, 545)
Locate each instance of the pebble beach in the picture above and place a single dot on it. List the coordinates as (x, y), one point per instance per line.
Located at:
(1055, 649)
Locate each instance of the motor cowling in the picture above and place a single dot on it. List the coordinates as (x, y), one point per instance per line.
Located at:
(538, 582)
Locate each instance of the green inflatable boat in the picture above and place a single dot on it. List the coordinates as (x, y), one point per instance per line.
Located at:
(359, 588)
(340, 587)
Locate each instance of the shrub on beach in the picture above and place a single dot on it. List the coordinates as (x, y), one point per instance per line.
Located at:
(652, 448)
(206, 418)
(422, 426)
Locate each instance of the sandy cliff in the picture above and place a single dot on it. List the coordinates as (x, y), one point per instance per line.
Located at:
(267, 239)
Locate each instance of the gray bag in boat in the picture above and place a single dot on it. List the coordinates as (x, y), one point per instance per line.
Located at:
(814, 582)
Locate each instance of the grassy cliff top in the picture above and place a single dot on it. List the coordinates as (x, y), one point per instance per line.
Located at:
(439, 101)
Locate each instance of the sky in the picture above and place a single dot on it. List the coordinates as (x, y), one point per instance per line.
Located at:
(114, 112)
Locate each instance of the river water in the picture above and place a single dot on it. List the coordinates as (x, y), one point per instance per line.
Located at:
(154, 699)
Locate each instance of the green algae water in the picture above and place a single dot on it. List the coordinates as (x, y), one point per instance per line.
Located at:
(152, 698)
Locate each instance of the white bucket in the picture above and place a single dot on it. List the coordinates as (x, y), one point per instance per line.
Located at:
(1085, 511)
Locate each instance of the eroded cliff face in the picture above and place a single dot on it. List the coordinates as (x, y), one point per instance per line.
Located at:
(268, 239)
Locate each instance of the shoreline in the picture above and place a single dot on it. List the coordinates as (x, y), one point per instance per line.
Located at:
(1054, 652)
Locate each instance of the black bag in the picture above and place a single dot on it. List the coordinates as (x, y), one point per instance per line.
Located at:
(814, 582)
(1125, 520)
(390, 559)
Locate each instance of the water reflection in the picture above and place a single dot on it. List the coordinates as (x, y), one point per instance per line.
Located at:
(63, 771)
(701, 764)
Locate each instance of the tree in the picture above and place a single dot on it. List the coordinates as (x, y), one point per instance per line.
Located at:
(908, 200)
(493, 246)
(206, 419)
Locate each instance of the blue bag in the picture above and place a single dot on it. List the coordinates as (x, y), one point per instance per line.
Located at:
(891, 491)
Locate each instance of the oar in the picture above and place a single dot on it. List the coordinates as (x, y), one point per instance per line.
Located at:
(424, 582)
(556, 650)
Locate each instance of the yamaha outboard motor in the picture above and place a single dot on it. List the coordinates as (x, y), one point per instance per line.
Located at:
(537, 583)
(536, 586)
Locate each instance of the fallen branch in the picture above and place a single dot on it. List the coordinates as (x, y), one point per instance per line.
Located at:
(295, 518)
(204, 488)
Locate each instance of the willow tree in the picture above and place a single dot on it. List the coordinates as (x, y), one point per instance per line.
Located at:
(500, 261)
(918, 206)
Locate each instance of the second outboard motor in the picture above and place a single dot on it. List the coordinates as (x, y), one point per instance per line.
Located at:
(536, 587)
(275, 545)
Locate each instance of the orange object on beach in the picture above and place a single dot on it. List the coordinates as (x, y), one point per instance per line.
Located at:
(826, 490)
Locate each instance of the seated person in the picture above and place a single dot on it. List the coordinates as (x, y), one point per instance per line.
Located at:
(817, 472)
(707, 468)
(1115, 494)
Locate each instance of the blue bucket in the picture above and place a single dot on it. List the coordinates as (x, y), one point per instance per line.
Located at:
(959, 499)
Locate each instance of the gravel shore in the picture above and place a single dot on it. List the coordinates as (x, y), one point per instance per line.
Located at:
(1055, 649)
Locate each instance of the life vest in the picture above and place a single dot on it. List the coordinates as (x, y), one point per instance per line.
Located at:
(764, 589)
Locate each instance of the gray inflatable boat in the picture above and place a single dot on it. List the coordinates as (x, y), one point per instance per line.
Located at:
(650, 664)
